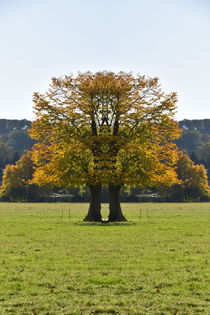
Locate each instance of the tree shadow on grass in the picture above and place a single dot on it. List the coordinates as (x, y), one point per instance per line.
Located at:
(108, 224)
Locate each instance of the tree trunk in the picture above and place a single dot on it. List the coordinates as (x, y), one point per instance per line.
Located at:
(94, 212)
(115, 213)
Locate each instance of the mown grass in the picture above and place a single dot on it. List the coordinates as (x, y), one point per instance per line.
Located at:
(53, 263)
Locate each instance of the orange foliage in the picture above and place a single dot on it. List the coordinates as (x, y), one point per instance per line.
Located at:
(105, 128)
(18, 175)
(191, 175)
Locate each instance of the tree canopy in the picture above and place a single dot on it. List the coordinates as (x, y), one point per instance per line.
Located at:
(104, 128)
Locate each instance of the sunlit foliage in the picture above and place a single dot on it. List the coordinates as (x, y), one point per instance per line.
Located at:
(193, 185)
(104, 128)
(16, 184)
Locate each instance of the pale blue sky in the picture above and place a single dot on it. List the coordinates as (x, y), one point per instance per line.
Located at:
(40, 39)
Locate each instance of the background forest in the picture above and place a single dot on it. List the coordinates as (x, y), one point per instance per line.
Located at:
(194, 143)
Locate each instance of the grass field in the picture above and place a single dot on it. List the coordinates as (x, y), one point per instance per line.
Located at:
(156, 263)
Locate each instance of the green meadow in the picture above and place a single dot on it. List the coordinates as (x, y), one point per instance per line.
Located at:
(53, 263)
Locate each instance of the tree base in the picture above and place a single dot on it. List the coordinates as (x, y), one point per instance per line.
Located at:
(118, 218)
(104, 221)
(90, 218)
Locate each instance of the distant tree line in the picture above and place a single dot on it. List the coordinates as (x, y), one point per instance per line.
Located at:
(195, 141)
(202, 125)
(14, 140)
(8, 125)
(15, 145)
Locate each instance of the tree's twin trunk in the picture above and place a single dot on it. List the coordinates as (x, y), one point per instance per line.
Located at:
(94, 212)
(115, 211)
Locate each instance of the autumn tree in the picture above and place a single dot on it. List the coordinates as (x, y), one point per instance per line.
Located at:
(193, 181)
(16, 184)
(104, 129)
